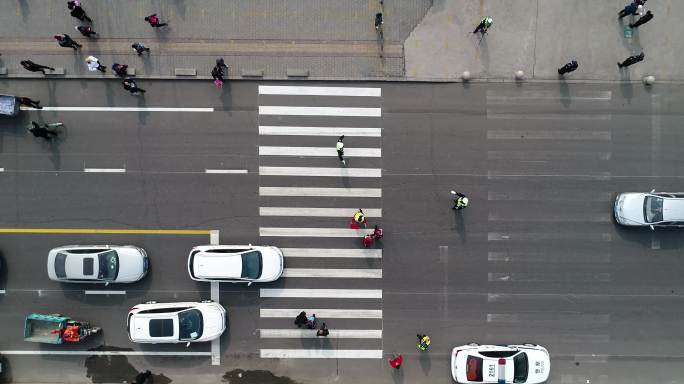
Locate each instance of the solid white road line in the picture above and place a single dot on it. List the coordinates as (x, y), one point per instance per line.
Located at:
(311, 334)
(323, 313)
(318, 91)
(2, 169)
(125, 109)
(320, 192)
(318, 111)
(322, 293)
(321, 353)
(214, 236)
(277, 130)
(363, 273)
(225, 171)
(519, 134)
(320, 171)
(577, 277)
(317, 212)
(361, 253)
(103, 353)
(105, 292)
(2, 292)
(313, 232)
(104, 170)
(576, 319)
(319, 151)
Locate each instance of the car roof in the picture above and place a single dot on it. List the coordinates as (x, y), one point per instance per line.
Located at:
(81, 266)
(217, 265)
(163, 325)
(673, 209)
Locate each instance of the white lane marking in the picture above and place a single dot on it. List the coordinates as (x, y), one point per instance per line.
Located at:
(225, 171)
(320, 353)
(319, 151)
(317, 212)
(576, 217)
(323, 313)
(311, 334)
(214, 237)
(318, 111)
(103, 353)
(2, 292)
(320, 192)
(277, 130)
(322, 293)
(105, 292)
(542, 195)
(539, 236)
(318, 91)
(520, 134)
(655, 242)
(492, 114)
(548, 317)
(2, 169)
(104, 170)
(513, 95)
(313, 232)
(125, 109)
(320, 171)
(548, 155)
(591, 359)
(366, 253)
(362, 273)
(578, 277)
(592, 256)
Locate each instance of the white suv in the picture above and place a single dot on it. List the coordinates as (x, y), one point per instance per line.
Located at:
(187, 322)
(474, 363)
(235, 263)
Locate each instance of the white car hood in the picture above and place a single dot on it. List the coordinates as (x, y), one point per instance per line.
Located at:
(631, 208)
(130, 265)
(272, 263)
(214, 323)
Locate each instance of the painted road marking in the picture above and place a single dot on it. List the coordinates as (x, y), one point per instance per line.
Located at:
(320, 171)
(322, 293)
(333, 252)
(123, 109)
(318, 91)
(321, 353)
(104, 353)
(583, 319)
(311, 333)
(319, 151)
(276, 130)
(589, 95)
(333, 273)
(105, 292)
(578, 277)
(323, 313)
(317, 212)
(107, 231)
(2, 169)
(318, 111)
(104, 170)
(320, 192)
(313, 232)
(519, 134)
(214, 237)
(2, 292)
(225, 171)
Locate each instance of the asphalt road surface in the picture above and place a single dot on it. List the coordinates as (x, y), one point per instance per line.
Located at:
(536, 257)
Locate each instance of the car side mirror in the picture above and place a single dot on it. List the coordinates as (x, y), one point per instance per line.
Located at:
(106, 283)
(187, 344)
(249, 283)
(652, 227)
(652, 190)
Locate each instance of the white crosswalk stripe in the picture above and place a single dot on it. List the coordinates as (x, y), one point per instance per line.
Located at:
(314, 173)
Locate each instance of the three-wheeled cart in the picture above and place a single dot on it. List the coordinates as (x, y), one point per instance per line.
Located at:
(56, 329)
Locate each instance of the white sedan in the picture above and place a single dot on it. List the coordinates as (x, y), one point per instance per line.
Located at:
(97, 264)
(235, 263)
(185, 322)
(474, 363)
(653, 209)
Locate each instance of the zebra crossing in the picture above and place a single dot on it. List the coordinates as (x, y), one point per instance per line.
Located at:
(306, 201)
(530, 153)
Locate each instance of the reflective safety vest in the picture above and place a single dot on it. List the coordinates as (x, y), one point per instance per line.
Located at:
(339, 146)
(462, 202)
(424, 343)
(358, 217)
(487, 21)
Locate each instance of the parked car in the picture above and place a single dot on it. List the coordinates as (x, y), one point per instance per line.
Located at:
(97, 264)
(655, 209)
(474, 363)
(235, 263)
(185, 322)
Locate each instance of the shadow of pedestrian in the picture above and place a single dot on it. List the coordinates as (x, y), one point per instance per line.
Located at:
(397, 375)
(24, 9)
(181, 8)
(142, 115)
(226, 96)
(55, 154)
(627, 88)
(425, 362)
(564, 93)
(459, 225)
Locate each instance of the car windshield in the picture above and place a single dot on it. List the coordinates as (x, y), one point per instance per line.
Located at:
(653, 209)
(109, 265)
(520, 368)
(190, 324)
(251, 265)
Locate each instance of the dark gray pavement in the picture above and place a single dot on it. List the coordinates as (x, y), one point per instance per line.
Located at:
(535, 258)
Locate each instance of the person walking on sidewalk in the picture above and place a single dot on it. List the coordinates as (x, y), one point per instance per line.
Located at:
(642, 20)
(140, 48)
(120, 69)
(484, 25)
(93, 64)
(43, 131)
(340, 149)
(77, 11)
(630, 9)
(631, 60)
(66, 41)
(33, 67)
(154, 21)
(423, 342)
(569, 67)
(396, 361)
(323, 331)
(28, 102)
(85, 30)
(130, 85)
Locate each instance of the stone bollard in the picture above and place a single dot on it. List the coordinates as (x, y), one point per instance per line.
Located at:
(465, 76)
(649, 80)
(519, 75)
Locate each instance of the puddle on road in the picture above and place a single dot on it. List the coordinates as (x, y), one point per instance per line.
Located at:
(240, 376)
(116, 368)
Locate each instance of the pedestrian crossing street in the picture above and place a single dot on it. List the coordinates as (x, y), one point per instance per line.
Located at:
(306, 201)
(548, 205)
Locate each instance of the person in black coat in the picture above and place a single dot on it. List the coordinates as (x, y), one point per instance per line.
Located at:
(631, 60)
(642, 20)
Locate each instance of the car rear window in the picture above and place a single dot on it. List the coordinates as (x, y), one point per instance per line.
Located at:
(60, 262)
(251, 265)
(161, 327)
(474, 368)
(520, 368)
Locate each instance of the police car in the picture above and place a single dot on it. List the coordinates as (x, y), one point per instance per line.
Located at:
(502, 364)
